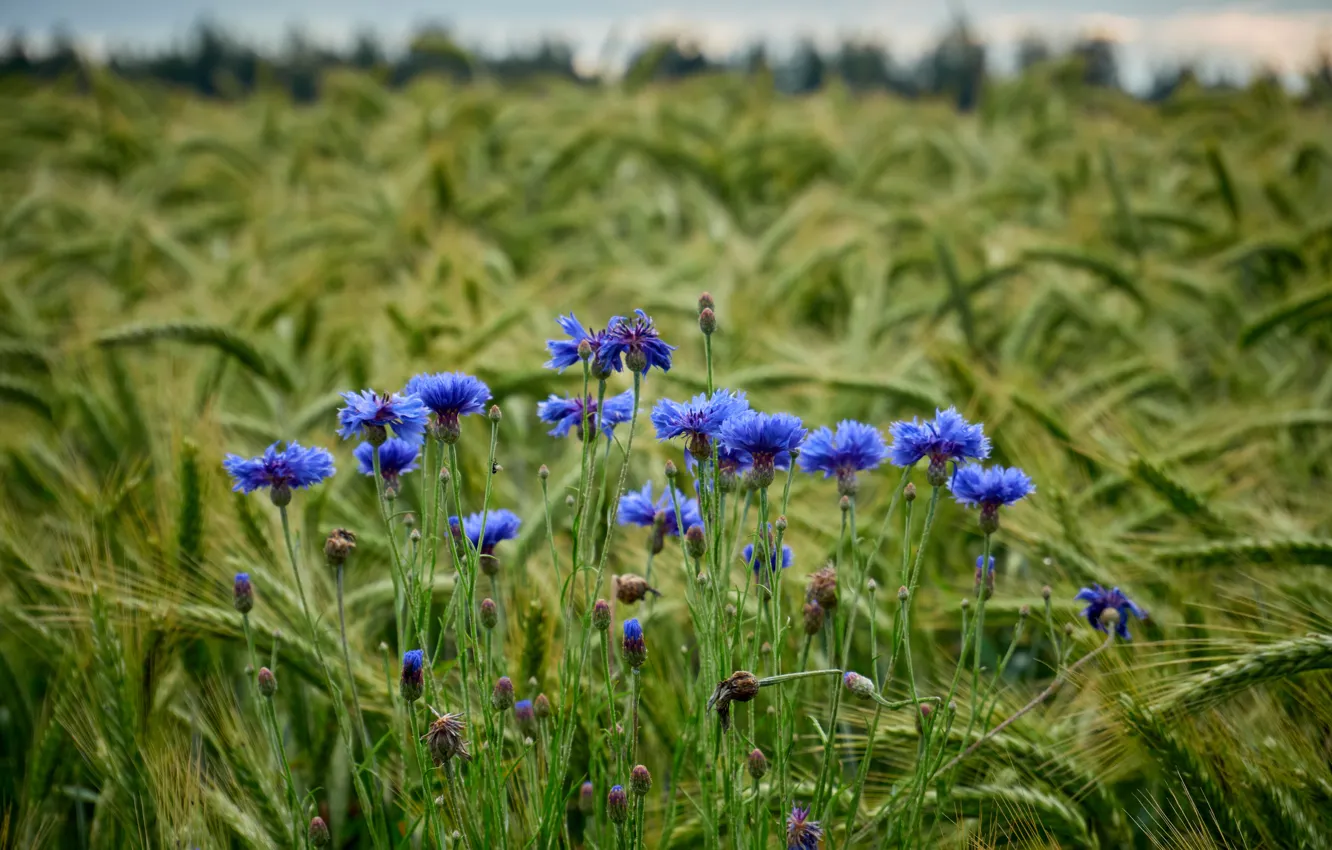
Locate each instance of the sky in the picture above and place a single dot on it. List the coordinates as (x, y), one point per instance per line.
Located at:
(1219, 37)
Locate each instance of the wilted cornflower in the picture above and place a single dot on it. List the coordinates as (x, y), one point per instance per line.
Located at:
(763, 441)
(801, 832)
(501, 525)
(634, 647)
(698, 420)
(637, 508)
(740, 686)
(1099, 600)
(990, 488)
(854, 447)
(945, 438)
(564, 352)
(823, 586)
(567, 414)
(396, 457)
(637, 340)
(449, 395)
(752, 559)
(631, 588)
(242, 593)
(377, 416)
(412, 681)
(294, 467)
(445, 739)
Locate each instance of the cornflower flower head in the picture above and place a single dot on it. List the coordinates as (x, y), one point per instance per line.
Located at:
(990, 488)
(801, 832)
(242, 593)
(638, 508)
(1099, 600)
(634, 648)
(377, 416)
(500, 525)
(449, 395)
(637, 341)
(763, 441)
(753, 558)
(617, 805)
(396, 457)
(412, 680)
(698, 420)
(853, 447)
(294, 467)
(564, 352)
(567, 414)
(945, 438)
(446, 739)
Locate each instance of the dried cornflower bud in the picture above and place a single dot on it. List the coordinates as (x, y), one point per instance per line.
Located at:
(601, 615)
(740, 686)
(640, 780)
(707, 321)
(758, 763)
(823, 587)
(339, 546)
(445, 739)
(813, 617)
(541, 705)
(617, 805)
(909, 492)
(267, 682)
(412, 681)
(587, 801)
(502, 697)
(858, 685)
(319, 835)
(489, 613)
(242, 593)
(631, 588)
(543, 472)
(695, 543)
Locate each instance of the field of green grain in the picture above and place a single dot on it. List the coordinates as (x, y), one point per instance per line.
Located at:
(1136, 301)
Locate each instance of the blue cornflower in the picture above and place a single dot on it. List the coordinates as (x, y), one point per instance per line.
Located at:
(989, 488)
(947, 437)
(763, 440)
(1099, 600)
(634, 648)
(987, 577)
(854, 447)
(567, 413)
(280, 471)
(413, 675)
(373, 415)
(501, 525)
(449, 395)
(637, 340)
(564, 352)
(750, 557)
(801, 832)
(699, 420)
(396, 457)
(637, 508)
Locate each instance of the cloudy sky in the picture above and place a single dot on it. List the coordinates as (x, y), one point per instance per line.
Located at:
(1220, 36)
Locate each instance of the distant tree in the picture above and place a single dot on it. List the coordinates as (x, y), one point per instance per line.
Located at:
(805, 72)
(14, 60)
(956, 66)
(366, 50)
(1100, 66)
(862, 65)
(1032, 50)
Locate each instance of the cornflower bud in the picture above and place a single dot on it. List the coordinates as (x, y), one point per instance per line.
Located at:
(671, 470)
(267, 682)
(707, 321)
(412, 680)
(584, 350)
(1045, 593)
(242, 593)
(489, 613)
(494, 413)
(525, 715)
(339, 546)
(543, 472)
(813, 617)
(617, 805)
(502, 697)
(541, 706)
(858, 685)
(909, 492)
(903, 594)
(587, 801)
(634, 648)
(319, 835)
(758, 763)
(705, 302)
(601, 615)
(695, 543)
(640, 780)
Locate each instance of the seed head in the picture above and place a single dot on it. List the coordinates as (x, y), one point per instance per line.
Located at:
(966, 603)
(707, 321)
(319, 835)
(758, 763)
(601, 615)
(541, 705)
(1110, 618)
(823, 587)
(631, 588)
(617, 805)
(242, 595)
(740, 686)
(267, 682)
(339, 546)
(695, 543)
(489, 613)
(445, 739)
(640, 780)
(502, 697)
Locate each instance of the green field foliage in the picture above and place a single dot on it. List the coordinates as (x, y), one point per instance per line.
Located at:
(1135, 299)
